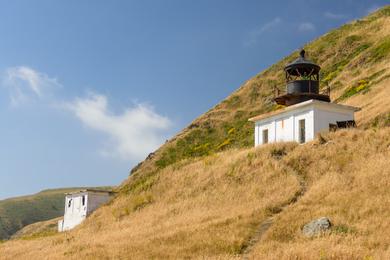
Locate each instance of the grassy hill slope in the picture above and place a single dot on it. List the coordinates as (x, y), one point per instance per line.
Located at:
(18, 212)
(214, 206)
(355, 64)
(206, 194)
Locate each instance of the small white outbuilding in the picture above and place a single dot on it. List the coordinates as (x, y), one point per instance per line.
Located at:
(80, 204)
(300, 122)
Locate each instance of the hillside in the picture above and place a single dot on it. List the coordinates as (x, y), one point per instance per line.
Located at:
(18, 212)
(41, 228)
(207, 194)
(355, 64)
(212, 206)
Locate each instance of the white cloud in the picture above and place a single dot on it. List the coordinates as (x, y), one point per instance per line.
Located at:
(254, 35)
(334, 16)
(25, 84)
(306, 27)
(132, 134)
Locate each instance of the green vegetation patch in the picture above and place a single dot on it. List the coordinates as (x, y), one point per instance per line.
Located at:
(330, 73)
(382, 50)
(140, 183)
(343, 229)
(45, 233)
(207, 140)
(361, 86)
(382, 120)
(233, 102)
(385, 11)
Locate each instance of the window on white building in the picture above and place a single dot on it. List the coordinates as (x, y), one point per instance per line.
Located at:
(265, 136)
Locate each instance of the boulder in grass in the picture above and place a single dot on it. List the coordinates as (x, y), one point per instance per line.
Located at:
(316, 227)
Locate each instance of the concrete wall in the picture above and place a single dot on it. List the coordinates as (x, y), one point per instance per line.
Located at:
(284, 128)
(95, 200)
(325, 117)
(75, 211)
(309, 118)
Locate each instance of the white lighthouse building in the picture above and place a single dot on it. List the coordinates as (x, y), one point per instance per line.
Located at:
(306, 112)
(80, 204)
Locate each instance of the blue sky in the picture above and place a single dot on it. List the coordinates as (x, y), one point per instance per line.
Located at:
(89, 88)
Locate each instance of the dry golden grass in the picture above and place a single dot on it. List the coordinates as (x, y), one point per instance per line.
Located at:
(210, 207)
(350, 183)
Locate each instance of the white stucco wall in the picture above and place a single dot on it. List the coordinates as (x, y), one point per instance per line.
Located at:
(76, 212)
(95, 200)
(325, 117)
(284, 127)
(308, 116)
(318, 115)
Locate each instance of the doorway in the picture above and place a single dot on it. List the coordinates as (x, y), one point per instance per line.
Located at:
(302, 131)
(265, 136)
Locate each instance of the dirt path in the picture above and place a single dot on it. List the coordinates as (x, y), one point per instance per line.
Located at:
(266, 224)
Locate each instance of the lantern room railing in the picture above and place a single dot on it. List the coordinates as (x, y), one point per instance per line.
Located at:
(278, 92)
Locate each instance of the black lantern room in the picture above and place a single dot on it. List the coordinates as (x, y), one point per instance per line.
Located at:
(302, 79)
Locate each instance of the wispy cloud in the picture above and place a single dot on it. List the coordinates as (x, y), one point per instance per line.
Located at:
(132, 134)
(306, 27)
(254, 35)
(25, 84)
(334, 16)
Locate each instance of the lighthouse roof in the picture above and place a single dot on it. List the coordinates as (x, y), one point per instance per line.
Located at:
(302, 66)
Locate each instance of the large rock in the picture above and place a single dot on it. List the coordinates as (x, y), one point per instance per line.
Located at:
(316, 227)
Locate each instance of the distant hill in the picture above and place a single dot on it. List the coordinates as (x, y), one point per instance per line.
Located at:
(18, 212)
(42, 228)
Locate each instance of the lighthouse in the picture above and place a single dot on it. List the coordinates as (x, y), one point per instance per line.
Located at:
(306, 112)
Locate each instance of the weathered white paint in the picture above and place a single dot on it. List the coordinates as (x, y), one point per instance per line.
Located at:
(283, 125)
(79, 205)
